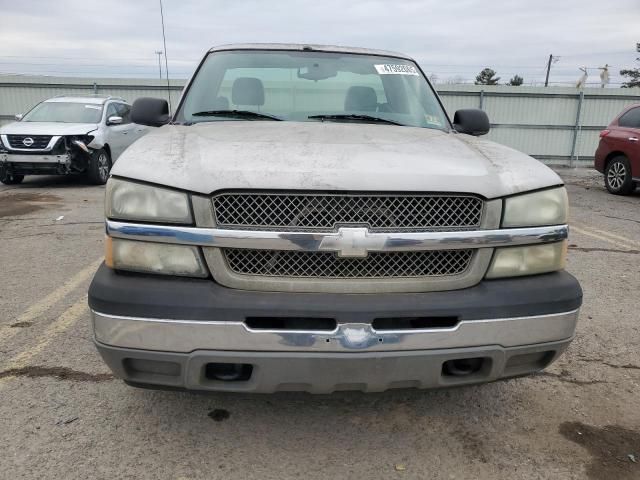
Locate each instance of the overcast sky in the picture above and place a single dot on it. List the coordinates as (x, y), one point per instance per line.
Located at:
(451, 38)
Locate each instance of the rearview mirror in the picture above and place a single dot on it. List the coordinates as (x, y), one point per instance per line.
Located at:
(114, 120)
(471, 121)
(317, 72)
(153, 112)
(19, 116)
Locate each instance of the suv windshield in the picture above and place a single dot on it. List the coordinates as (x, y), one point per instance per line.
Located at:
(65, 112)
(312, 87)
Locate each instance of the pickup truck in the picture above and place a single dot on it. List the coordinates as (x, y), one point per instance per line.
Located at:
(310, 219)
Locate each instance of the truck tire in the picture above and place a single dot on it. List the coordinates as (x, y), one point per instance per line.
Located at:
(10, 178)
(99, 167)
(617, 176)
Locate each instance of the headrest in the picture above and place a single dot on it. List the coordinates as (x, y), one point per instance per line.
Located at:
(247, 91)
(361, 99)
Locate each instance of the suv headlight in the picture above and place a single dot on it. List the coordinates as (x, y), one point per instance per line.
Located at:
(135, 201)
(546, 207)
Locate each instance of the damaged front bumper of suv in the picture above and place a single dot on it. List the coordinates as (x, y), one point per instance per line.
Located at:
(62, 155)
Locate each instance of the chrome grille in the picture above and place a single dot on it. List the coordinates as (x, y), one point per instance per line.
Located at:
(40, 142)
(297, 264)
(323, 212)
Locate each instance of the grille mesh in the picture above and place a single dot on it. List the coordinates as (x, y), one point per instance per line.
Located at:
(40, 142)
(328, 265)
(282, 211)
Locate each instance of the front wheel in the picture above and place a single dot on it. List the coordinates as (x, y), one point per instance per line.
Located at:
(617, 176)
(99, 167)
(9, 178)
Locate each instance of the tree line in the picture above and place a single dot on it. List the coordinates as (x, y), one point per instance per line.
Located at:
(488, 77)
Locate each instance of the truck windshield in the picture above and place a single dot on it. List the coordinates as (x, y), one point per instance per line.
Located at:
(65, 112)
(310, 86)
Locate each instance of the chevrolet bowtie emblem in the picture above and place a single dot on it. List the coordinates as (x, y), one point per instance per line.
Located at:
(351, 242)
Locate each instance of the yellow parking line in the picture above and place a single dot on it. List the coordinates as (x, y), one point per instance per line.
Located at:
(609, 234)
(62, 323)
(599, 235)
(40, 307)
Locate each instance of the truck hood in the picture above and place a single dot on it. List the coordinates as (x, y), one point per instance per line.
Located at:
(220, 155)
(47, 128)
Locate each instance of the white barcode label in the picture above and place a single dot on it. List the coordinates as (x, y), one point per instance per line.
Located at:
(389, 69)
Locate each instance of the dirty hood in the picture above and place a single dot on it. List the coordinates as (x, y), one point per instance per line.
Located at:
(47, 128)
(220, 155)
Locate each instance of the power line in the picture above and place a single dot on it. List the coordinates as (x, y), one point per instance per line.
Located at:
(85, 58)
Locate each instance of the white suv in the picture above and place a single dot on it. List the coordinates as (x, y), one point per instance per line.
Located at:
(67, 135)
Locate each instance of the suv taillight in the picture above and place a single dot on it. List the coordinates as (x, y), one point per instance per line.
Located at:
(604, 133)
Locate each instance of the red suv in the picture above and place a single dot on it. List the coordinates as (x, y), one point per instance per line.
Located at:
(618, 154)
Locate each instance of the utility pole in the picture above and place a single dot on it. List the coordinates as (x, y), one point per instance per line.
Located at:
(546, 80)
(159, 52)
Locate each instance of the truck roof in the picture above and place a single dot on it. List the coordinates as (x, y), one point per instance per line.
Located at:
(306, 46)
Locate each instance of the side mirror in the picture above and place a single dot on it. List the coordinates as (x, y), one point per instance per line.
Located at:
(114, 120)
(19, 116)
(471, 121)
(153, 112)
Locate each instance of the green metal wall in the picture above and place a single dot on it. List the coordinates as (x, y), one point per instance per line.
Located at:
(558, 125)
(542, 122)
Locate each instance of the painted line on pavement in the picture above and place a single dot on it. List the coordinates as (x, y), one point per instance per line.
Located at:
(61, 324)
(600, 235)
(40, 307)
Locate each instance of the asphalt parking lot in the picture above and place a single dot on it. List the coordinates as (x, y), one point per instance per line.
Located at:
(64, 416)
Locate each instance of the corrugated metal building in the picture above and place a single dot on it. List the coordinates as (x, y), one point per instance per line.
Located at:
(556, 124)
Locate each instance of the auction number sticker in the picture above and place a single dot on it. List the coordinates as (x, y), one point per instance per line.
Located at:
(389, 69)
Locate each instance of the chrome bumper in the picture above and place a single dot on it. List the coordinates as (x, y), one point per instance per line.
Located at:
(17, 158)
(189, 335)
(339, 242)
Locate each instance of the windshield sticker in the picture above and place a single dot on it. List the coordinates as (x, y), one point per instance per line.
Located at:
(388, 69)
(94, 107)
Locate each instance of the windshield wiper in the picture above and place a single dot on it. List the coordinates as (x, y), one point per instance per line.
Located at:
(355, 117)
(236, 114)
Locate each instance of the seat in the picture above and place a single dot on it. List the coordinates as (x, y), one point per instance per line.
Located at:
(247, 91)
(361, 99)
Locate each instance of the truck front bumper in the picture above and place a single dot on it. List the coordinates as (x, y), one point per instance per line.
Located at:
(195, 334)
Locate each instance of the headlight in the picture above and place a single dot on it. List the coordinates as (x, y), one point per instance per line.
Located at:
(134, 201)
(547, 207)
(530, 260)
(147, 257)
